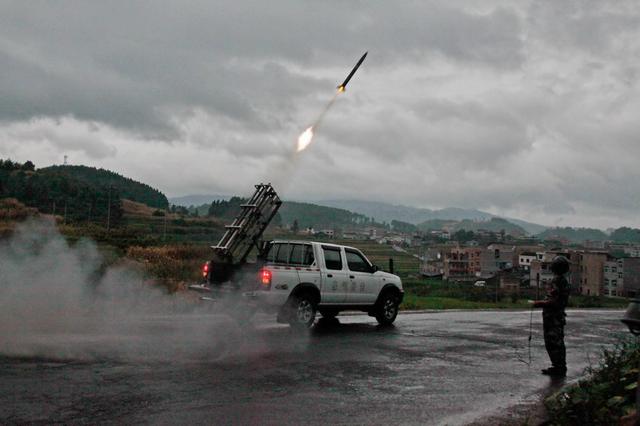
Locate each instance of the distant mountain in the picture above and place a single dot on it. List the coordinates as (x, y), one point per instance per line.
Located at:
(575, 235)
(306, 215)
(531, 228)
(495, 224)
(197, 199)
(388, 212)
(318, 217)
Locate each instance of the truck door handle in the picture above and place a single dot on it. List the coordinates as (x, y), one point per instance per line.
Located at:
(329, 275)
(352, 276)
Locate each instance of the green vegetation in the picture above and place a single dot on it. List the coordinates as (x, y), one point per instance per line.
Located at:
(437, 294)
(174, 265)
(412, 301)
(53, 192)
(624, 234)
(102, 179)
(436, 224)
(495, 224)
(574, 235)
(605, 395)
(466, 229)
(312, 215)
(405, 227)
(306, 215)
(598, 302)
(75, 193)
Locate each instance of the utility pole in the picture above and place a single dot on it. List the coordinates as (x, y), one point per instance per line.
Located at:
(109, 209)
(164, 232)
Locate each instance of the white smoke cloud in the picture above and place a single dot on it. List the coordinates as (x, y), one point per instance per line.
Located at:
(56, 302)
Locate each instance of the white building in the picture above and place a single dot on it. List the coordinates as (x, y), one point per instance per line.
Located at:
(613, 277)
(525, 259)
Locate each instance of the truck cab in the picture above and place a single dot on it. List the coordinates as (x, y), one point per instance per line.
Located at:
(300, 278)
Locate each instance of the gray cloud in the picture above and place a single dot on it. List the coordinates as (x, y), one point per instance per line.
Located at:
(132, 66)
(526, 108)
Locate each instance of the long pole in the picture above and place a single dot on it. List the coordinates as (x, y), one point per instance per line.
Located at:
(164, 232)
(109, 209)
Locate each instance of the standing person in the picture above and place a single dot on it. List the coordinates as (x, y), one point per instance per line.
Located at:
(553, 317)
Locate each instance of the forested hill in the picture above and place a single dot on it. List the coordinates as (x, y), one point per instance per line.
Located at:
(78, 193)
(101, 178)
(312, 215)
(575, 235)
(303, 214)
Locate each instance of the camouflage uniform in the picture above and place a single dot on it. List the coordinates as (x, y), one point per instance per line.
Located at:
(553, 321)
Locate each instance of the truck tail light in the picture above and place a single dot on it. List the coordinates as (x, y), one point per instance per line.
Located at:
(265, 278)
(205, 270)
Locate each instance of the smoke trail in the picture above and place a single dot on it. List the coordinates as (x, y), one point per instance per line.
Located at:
(326, 109)
(280, 175)
(56, 303)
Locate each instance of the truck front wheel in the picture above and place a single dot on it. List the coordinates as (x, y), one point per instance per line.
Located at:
(303, 311)
(387, 309)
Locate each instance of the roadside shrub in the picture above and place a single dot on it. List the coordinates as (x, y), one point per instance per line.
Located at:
(605, 395)
(171, 262)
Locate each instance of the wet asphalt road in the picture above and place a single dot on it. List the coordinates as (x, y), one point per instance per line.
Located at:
(449, 367)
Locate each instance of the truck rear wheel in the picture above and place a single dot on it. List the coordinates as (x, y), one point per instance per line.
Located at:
(387, 309)
(303, 311)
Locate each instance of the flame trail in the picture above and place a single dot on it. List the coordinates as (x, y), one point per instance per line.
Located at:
(305, 139)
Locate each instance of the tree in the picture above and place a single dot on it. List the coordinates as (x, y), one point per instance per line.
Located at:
(28, 166)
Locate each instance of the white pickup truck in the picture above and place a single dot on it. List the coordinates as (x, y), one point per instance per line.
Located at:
(300, 278)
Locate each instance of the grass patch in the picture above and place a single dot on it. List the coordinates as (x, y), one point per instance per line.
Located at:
(605, 395)
(174, 265)
(598, 302)
(438, 294)
(411, 301)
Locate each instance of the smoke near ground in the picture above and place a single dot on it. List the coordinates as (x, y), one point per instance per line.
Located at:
(57, 301)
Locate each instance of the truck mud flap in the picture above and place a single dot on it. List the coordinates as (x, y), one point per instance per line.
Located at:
(200, 288)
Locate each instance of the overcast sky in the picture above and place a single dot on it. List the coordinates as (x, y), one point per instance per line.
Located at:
(528, 109)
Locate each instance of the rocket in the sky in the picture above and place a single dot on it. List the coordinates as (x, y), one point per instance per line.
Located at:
(343, 86)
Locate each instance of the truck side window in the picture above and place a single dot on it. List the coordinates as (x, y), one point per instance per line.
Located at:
(332, 258)
(309, 258)
(283, 253)
(356, 262)
(273, 252)
(297, 254)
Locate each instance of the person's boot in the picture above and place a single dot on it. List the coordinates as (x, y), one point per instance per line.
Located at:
(555, 371)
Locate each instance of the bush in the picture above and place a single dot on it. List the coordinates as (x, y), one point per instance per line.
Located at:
(175, 262)
(607, 394)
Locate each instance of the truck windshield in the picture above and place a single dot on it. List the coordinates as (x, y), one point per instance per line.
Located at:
(356, 262)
